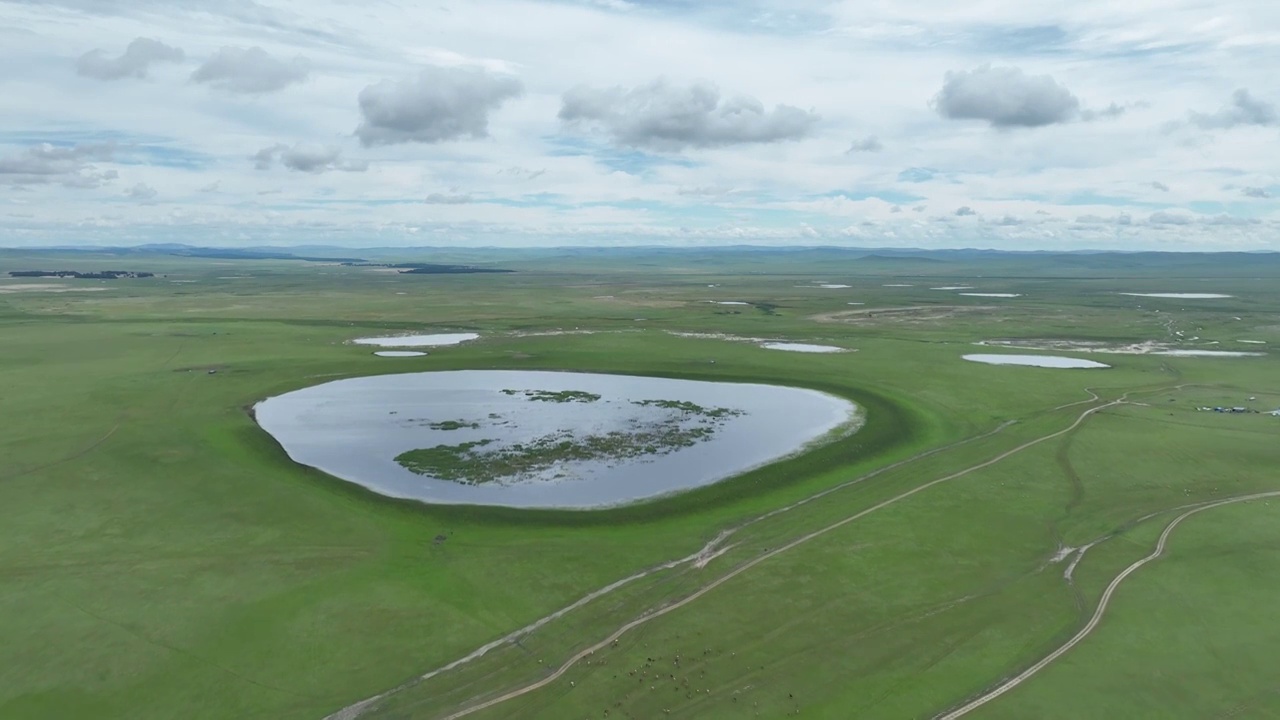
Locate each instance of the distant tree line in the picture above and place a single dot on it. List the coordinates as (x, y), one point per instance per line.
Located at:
(100, 275)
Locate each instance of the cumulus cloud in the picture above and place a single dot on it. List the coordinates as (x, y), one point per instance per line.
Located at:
(1121, 219)
(871, 143)
(662, 116)
(314, 159)
(136, 60)
(1005, 97)
(1257, 192)
(1169, 218)
(251, 71)
(1109, 112)
(439, 104)
(1244, 109)
(70, 165)
(523, 173)
(443, 199)
(141, 192)
(1160, 186)
(965, 211)
(1225, 219)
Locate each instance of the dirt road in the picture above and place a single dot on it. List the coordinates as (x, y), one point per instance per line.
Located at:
(653, 615)
(1099, 612)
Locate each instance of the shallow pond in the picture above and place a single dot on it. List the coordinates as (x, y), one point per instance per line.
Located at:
(1208, 353)
(801, 347)
(1045, 361)
(399, 353)
(544, 439)
(1181, 296)
(995, 295)
(436, 340)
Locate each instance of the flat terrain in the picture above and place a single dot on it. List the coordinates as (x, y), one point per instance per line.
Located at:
(161, 557)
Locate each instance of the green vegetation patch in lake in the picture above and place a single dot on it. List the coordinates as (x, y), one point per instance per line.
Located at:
(555, 396)
(681, 424)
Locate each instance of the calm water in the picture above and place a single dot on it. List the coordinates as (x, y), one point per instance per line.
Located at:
(1181, 296)
(801, 347)
(1045, 361)
(353, 429)
(436, 340)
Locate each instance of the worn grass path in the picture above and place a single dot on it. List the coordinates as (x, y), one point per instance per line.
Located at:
(356, 710)
(1098, 613)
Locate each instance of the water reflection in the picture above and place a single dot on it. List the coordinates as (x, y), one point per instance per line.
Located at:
(354, 429)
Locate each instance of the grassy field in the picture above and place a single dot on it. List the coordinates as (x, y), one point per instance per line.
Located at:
(161, 557)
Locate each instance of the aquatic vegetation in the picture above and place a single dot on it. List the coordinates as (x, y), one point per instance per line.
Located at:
(454, 425)
(556, 396)
(487, 461)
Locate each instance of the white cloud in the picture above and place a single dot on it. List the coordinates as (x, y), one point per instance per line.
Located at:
(1005, 97)
(862, 68)
(136, 60)
(1244, 109)
(251, 71)
(71, 165)
(447, 199)
(869, 144)
(141, 192)
(437, 105)
(314, 159)
(664, 116)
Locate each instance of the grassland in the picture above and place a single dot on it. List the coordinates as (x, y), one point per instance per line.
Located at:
(161, 557)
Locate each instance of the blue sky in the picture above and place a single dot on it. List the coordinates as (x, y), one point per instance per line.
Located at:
(1082, 125)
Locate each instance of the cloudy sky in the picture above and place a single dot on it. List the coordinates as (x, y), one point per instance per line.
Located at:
(1027, 124)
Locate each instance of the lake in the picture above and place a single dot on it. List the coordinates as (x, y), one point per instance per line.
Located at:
(544, 439)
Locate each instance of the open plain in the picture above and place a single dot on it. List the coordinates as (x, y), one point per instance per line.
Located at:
(994, 542)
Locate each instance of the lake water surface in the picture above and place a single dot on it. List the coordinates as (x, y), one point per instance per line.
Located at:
(355, 428)
(1181, 296)
(1044, 361)
(801, 347)
(436, 340)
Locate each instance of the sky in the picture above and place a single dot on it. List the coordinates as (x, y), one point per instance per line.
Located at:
(1018, 125)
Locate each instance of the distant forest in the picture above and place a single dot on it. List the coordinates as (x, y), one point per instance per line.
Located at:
(100, 275)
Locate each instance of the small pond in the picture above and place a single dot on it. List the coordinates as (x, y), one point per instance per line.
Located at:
(402, 341)
(544, 439)
(801, 347)
(1209, 353)
(400, 353)
(1181, 296)
(1045, 361)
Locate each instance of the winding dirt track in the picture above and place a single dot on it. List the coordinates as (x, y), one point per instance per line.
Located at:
(559, 672)
(1089, 627)
(699, 559)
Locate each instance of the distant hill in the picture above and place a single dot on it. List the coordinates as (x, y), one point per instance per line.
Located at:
(900, 259)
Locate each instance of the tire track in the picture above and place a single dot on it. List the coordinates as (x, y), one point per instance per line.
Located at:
(1100, 611)
(653, 615)
(704, 556)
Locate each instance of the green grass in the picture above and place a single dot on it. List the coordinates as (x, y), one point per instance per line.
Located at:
(161, 557)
